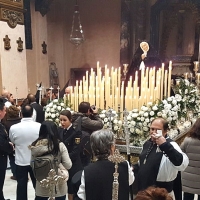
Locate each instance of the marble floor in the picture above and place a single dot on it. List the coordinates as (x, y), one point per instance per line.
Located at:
(10, 188)
(11, 185)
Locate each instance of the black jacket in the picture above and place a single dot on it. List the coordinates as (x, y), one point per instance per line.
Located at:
(89, 124)
(5, 147)
(39, 112)
(71, 139)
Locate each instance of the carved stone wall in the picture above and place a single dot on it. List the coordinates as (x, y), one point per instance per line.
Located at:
(12, 12)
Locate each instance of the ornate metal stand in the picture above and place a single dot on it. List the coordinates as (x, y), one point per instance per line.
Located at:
(50, 183)
(109, 114)
(116, 158)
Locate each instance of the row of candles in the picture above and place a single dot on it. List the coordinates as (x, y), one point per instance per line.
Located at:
(108, 90)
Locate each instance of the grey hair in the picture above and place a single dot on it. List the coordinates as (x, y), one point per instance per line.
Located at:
(101, 142)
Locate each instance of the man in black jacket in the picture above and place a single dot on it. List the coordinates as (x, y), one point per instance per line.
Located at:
(88, 119)
(37, 107)
(6, 148)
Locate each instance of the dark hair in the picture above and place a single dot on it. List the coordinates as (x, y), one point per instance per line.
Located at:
(24, 102)
(66, 113)
(1, 104)
(49, 131)
(31, 98)
(27, 111)
(55, 91)
(194, 132)
(83, 107)
(152, 193)
(164, 122)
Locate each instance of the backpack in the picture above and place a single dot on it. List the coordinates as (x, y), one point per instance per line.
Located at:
(85, 147)
(42, 165)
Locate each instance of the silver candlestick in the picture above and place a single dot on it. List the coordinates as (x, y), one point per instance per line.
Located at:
(127, 133)
(110, 115)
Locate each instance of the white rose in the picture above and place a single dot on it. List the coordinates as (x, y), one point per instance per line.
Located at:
(147, 120)
(54, 106)
(134, 115)
(114, 112)
(52, 110)
(186, 91)
(62, 104)
(142, 119)
(129, 126)
(103, 111)
(135, 110)
(143, 108)
(169, 99)
(164, 101)
(187, 82)
(115, 128)
(103, 115)
(145, 128)
(169, 119)
(174, 118)
(174, 102)
(132, 130)
(151, 113)
(152, 118)
(140, 124)
(53, 115)
(164, 116)
(48, 109)
(141, 113)
(120, 122)
(57, 120)
(178, 97)
(159, 114)
(59, 108)
(138, 118)
(106, 120)
(68, 108)
(50, 105)
(137, 130)
(57, 114)
(115, 121)
(55, 100)
(144, 124)
(129, 117)
(133, 123)
(154, 108)
(146, 114)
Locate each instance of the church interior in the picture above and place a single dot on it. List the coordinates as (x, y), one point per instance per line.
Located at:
(95, 47)
(112, 32)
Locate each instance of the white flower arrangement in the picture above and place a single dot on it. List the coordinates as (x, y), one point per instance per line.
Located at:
(53, 109)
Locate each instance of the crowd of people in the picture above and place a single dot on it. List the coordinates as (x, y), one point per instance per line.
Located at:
(25, 134)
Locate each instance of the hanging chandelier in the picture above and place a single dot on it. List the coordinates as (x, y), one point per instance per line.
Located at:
(76, 36)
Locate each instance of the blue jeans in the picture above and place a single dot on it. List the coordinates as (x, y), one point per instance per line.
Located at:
(46, 198)
(189, 196)
(22, 181)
